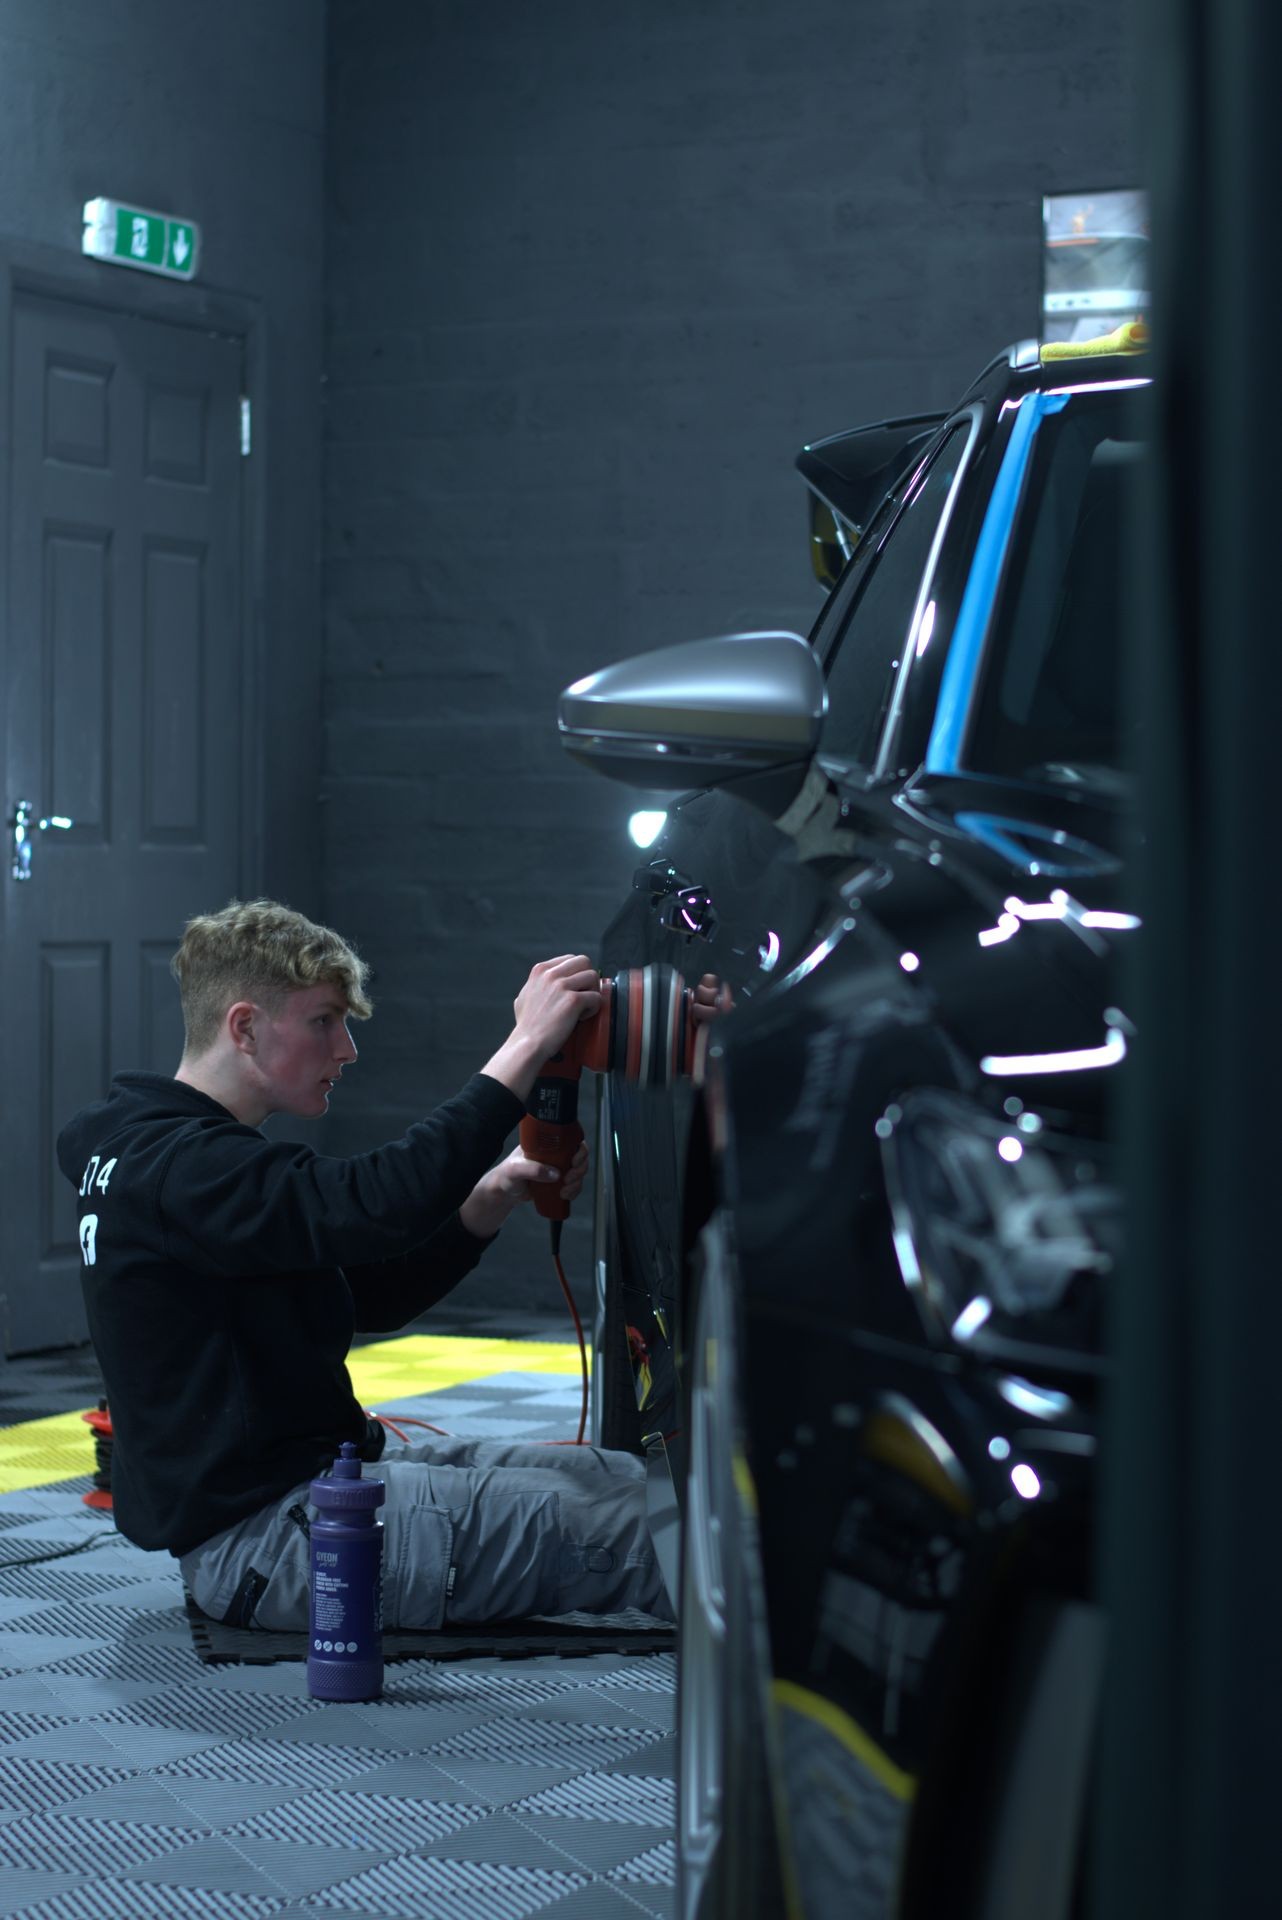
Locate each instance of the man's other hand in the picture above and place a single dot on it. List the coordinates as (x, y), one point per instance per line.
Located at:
(558, 994)
(512, 1182)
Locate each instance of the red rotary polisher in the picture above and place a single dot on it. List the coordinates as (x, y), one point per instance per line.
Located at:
(643, 1030)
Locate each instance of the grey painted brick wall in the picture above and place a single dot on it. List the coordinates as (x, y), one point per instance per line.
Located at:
(217, 112)
(594, 276)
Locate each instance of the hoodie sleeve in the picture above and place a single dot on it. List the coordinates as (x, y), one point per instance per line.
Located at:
(392, 1292)
(234, 1203)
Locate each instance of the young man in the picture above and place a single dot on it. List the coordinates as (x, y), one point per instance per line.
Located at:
(225, 1273)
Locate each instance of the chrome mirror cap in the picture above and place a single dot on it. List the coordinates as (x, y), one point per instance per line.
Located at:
(698, 714)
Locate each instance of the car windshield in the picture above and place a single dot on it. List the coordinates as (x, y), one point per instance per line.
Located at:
(1049, 700)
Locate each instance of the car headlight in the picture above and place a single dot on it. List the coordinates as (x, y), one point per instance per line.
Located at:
(1004, 1230)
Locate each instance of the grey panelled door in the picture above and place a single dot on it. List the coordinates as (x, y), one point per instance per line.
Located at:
(122, 689)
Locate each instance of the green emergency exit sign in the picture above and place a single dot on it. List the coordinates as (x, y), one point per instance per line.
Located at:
(140, 237)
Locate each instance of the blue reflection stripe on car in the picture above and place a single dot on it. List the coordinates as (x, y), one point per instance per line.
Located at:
(943, 755)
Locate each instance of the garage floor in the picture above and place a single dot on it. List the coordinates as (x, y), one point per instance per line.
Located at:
(136, 1781)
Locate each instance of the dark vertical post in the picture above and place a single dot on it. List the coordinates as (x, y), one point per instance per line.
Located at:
(1193, 1529)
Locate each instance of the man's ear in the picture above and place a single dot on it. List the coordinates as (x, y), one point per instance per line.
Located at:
(239, 1022)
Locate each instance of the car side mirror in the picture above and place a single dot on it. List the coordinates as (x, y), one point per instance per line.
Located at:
(702, 714)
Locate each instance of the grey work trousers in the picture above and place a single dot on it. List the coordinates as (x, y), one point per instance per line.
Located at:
(473, 1530)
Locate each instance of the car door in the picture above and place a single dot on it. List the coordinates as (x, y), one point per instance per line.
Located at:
(729, 892)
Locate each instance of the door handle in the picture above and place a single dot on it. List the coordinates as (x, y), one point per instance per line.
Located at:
(22, 826)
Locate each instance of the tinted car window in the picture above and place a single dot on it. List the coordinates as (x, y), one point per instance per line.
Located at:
(862, 670)
(1049, 704)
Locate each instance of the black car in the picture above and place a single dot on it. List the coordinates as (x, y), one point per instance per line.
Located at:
(855, 1265)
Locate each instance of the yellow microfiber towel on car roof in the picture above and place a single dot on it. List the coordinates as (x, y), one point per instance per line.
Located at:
(1130, 337)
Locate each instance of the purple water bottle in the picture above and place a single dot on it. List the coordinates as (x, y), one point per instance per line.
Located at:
(345, 1617)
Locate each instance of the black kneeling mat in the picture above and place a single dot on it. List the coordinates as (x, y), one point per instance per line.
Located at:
(572, 1634)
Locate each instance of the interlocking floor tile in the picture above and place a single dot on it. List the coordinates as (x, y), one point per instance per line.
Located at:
(137, 1784)
(20, 1886)
(208, 1863)
(658, 1761)
(597, 1902)
(499, 1840)
(381, 1823)
(450, 1890)
(59, 1839)
(600, 1845)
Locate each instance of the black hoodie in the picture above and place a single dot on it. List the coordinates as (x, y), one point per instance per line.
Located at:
(224, 1275)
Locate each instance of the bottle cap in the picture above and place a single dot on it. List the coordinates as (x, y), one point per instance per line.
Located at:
(343, 1489)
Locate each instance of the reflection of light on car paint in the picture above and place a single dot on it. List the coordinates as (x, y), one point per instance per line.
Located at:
(906, 1254)
(972, 1318)
(1074, 1060)
(1009, 1148)
(1029, 1123)
(768, 952)
(925, 629)
(998, 1448)
(820, 954)
(1025, 1482)
(909, 962)
(1060, 906)
(1056, 908)
(1097, 386)
(1044, 1403)
(646, 826)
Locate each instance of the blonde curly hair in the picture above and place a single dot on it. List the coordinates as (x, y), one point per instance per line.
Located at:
(259, 950)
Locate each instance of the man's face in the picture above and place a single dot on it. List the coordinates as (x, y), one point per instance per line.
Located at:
(302, 1049)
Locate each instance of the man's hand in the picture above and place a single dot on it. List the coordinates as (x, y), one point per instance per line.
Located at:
(710, 998)
(558, 994)
(512, 1182)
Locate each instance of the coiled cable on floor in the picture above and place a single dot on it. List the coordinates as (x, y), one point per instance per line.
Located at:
(62, 1553)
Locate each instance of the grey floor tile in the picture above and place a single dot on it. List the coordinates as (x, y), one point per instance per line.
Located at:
(21, 1887)
(19, 1652)
(448, 1890)
(145, 1799)
(382, 1824)
(657, 1762)
(655, 1709)
(499, 1840)
(502, 1785)
(219, 1804)
(591, 1707)
(207, 1793)
(211, 1864)
(595, 1902)
(57, 1839)
(655, 1867)
(599, 1796)
(298, 1871)
(599, 1845)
